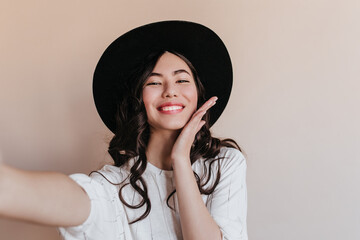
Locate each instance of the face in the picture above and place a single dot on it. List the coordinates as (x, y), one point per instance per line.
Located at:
(170, 94)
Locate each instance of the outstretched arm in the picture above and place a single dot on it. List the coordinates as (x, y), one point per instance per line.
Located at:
(47, 198)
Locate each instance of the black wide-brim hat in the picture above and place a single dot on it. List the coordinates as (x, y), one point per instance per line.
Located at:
(199, 44)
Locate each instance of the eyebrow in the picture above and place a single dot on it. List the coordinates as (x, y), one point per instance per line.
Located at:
(174, 73)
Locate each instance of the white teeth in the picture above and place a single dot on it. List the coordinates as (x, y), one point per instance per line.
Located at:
(172, 108)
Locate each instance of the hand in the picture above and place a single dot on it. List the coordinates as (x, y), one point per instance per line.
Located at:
(182, 146)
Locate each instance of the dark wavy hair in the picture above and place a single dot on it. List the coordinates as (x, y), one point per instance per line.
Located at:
(133, 132)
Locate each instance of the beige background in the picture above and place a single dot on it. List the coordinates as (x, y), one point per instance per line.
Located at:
(294, 107)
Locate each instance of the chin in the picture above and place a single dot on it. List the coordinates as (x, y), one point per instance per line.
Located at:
(172, 126)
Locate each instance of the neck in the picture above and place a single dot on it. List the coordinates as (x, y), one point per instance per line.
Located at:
(159, 148)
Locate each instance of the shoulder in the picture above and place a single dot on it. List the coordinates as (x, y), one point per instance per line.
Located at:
(102, 189)
(229, 160)
(230, 152)
(110, 174)
(107, 177)
(232, 164)
(231, 157)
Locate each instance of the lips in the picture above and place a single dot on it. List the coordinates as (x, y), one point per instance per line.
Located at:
(170, 108)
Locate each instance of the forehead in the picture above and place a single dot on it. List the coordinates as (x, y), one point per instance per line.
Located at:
(169, 62)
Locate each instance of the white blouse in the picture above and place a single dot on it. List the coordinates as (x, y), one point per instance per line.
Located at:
(109, 218)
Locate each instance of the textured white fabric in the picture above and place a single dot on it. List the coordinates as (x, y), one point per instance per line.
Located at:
(109, 218)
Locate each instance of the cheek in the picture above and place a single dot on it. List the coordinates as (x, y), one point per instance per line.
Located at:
(147, 96)
(192, 96)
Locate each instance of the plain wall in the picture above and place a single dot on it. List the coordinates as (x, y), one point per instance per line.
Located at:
(294, 108)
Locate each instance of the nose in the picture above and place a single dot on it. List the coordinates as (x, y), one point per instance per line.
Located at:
(169, 91)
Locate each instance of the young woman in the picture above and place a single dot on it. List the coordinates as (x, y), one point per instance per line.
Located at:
(170, 179)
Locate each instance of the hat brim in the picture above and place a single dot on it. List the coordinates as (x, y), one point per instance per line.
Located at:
(199, 44)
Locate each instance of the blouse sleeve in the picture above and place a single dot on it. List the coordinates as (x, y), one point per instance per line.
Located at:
(102, 213)
(228, 202)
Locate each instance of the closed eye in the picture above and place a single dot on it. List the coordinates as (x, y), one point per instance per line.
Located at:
(183, 81)
(153, 83)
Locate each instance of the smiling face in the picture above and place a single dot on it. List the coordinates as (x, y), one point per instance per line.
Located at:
(169, 94)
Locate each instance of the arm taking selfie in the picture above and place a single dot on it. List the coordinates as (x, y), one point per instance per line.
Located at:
(46, 198)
